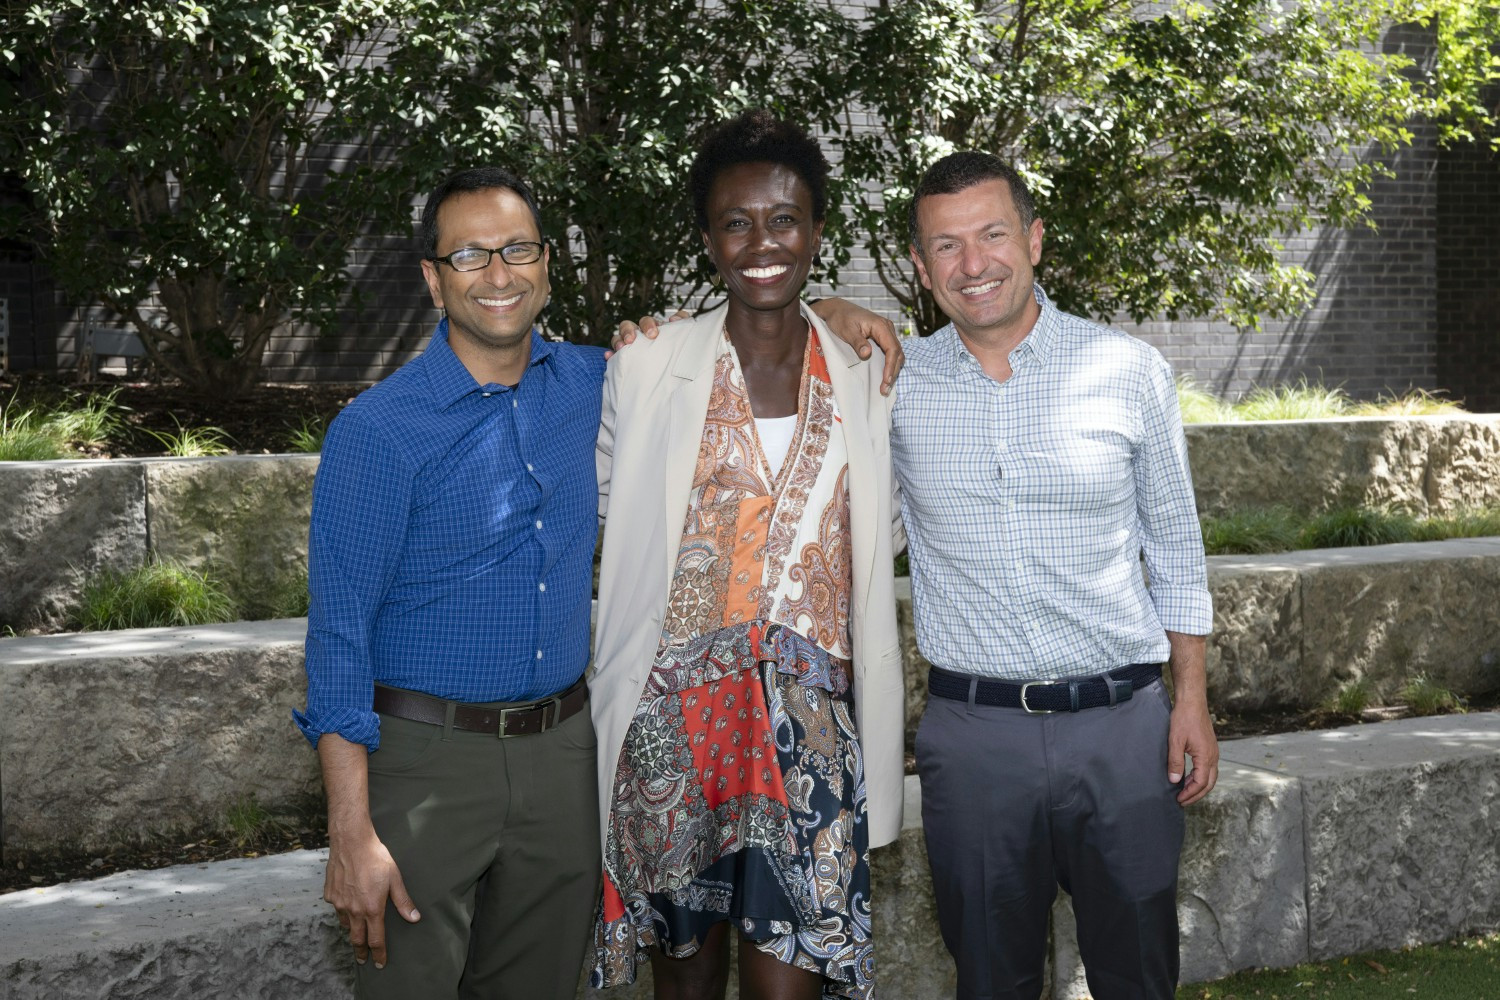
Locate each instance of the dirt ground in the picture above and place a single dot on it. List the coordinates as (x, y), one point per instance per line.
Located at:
(259, 422)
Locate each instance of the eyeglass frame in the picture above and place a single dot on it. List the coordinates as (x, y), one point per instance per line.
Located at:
(541, 249)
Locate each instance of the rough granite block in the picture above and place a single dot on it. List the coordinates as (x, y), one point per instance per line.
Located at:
(1402, 842)
(253, 930)
(111, 737)
(1255, 649)
(242, 518)
(1423, 464)
(61, 522)
(1387, 613)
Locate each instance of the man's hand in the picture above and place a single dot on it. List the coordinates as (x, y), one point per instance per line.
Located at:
(1192, 728)
(361, 874)
(648, 326)
(856, 326)
(361, 877)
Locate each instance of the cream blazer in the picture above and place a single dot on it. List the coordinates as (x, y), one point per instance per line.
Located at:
(655, 404)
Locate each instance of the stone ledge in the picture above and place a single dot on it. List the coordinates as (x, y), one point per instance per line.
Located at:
(1395, 853)
(166, 730)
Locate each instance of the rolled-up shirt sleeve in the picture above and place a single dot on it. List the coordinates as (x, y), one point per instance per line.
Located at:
(361, 507)
(1171, 536)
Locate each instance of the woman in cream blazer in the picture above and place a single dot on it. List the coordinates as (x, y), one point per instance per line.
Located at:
(655, 401)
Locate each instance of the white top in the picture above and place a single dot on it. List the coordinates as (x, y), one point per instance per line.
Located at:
(776, 439)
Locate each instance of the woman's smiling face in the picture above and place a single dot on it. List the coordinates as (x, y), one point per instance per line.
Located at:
(761, 233)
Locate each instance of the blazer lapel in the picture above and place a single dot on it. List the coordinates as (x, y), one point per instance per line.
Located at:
(851, 388)
(693, 367)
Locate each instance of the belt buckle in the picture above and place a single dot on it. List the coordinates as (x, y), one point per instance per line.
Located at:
(1027, 708)
(554, 703)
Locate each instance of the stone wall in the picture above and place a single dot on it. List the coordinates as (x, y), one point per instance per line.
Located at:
(1312, 846)
(242, 519)
(117, 737)
(1421, 464)
(202, 715)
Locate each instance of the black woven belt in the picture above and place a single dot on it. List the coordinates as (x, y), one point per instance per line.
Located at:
(515, 720)
(1040, 697)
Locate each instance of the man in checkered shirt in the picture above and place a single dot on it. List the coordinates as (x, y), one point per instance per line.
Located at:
(1039, 457)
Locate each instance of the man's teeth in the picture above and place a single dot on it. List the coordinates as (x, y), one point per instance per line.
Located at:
(499, 303)
(765, 272)
(981, 289)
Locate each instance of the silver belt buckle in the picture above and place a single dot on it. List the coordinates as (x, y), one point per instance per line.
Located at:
(1028, 709)
(553, 703)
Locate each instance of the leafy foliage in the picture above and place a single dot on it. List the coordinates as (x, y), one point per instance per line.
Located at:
(601, 105)
(169, 152)
(1170, 146)
(42, 433)
(159, 593)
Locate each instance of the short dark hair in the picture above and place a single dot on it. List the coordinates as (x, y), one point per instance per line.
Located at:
(758, 136)
(474, 179)
(962, 170)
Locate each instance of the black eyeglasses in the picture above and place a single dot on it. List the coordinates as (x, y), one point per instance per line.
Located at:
(474, 258)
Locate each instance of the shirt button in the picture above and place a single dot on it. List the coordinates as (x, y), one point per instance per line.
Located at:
(542, 587)
(529, 468)
(515, 402)
(487, 395)
(1000, 445)
(539, 654)
(539, 526)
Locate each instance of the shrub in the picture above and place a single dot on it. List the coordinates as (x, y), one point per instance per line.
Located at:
(1352, 698)
(1357, 526)
(308, 435)
(1416, 403)
(1199, 406)
(1302, 401)
(193, 442)
(44, 433)
(159, 593)
(1424, 697)
(1250, 532)
(290, 598)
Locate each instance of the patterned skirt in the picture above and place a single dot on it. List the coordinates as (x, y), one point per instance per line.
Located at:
(740, 796)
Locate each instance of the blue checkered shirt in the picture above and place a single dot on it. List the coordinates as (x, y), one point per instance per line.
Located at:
(1028, 503)
(452, 540)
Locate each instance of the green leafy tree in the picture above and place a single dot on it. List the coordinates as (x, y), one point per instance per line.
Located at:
(601, 105)
(172, 152)
(1171, 146)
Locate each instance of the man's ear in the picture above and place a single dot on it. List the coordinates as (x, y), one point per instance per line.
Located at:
(429, 272)
(1034, 238)
(921, 266)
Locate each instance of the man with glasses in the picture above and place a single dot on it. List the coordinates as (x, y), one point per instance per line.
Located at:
(450, 559)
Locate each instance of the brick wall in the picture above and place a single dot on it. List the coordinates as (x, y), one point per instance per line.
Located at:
(1468, 273)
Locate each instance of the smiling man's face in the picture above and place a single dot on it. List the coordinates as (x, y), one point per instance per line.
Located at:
(495, 306)
(978, 260)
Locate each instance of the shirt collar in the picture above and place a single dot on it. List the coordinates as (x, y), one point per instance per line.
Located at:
(450, 381)
(1038, 343)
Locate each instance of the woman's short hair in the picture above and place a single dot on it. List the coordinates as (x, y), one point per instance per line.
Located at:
(758, 136)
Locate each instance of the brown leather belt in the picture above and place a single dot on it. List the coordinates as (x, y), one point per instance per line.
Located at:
(516, 720)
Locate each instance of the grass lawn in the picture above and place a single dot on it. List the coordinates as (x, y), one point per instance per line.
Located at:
(1467, 969)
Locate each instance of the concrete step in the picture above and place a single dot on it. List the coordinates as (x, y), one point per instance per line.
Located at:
(1314, 845)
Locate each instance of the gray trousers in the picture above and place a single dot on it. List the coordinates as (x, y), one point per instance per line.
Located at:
(498, 844)
(1014, 805)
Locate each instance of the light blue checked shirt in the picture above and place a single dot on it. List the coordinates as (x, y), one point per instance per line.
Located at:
(452, 540)
(1027, 503)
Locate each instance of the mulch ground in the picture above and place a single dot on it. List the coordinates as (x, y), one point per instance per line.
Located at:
(259, 422)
